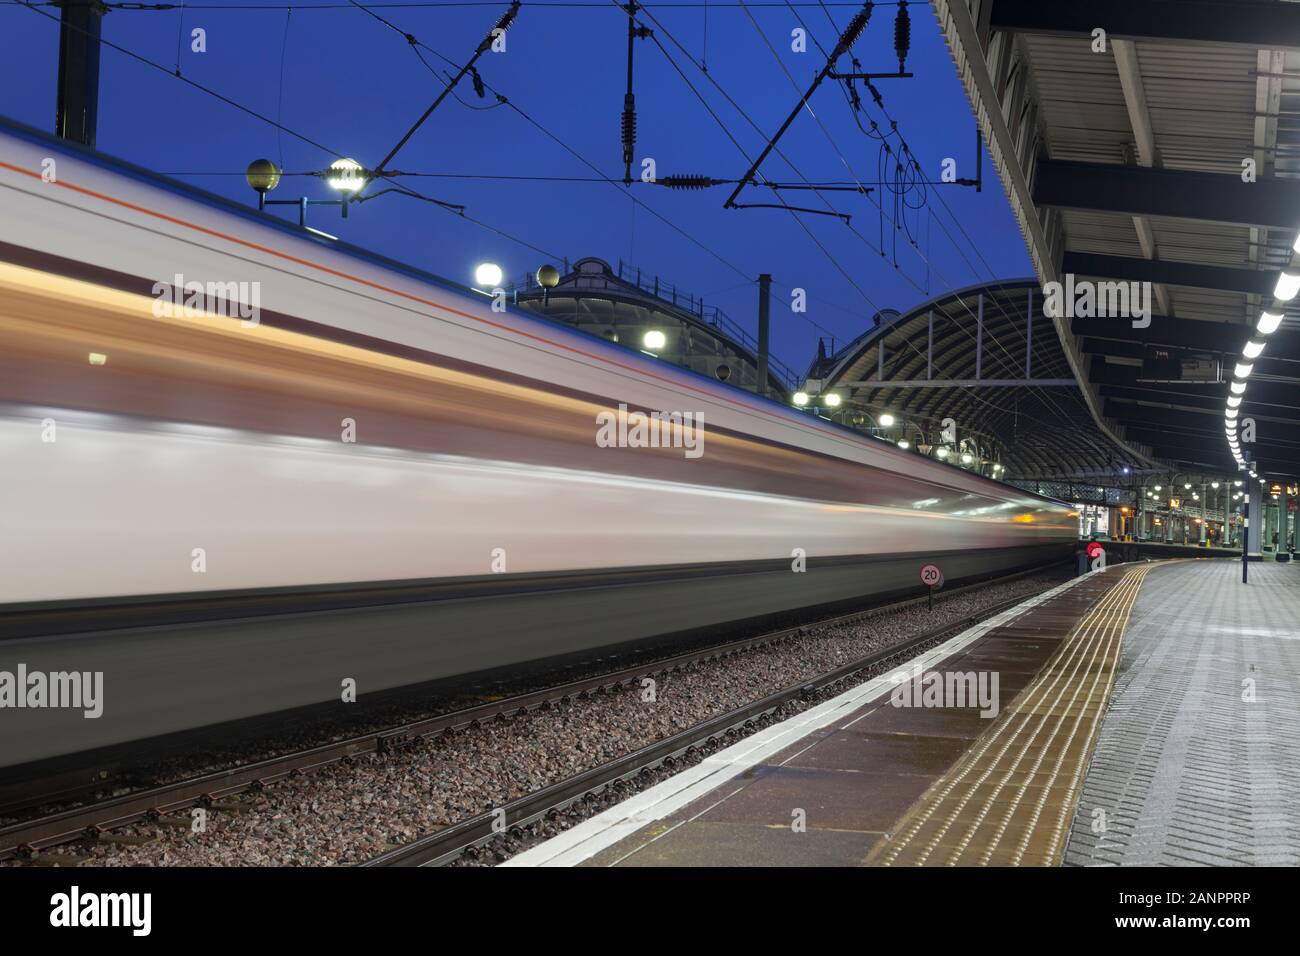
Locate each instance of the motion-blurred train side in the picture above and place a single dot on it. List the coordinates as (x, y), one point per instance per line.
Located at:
(375, 477)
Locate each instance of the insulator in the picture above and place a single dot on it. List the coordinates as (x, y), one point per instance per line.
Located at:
(855, 28)
(629, 126)
(902, 34)
(687, 181)
(508, 17)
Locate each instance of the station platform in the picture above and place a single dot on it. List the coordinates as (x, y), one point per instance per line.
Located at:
(878, 776)
(1198, 761)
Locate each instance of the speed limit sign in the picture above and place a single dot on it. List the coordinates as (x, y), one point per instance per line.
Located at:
(931, 576)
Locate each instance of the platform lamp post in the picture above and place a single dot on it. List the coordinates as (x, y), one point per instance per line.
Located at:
(1214, 486)
(263, 176)
(1245, 539)
(1164, 529)
(548, 277)
(1140, 507)
(346, 176)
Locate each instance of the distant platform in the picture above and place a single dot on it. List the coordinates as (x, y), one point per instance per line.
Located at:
(1120, 551)
(1198, 760)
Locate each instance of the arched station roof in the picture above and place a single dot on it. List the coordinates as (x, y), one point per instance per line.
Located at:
(985, 357)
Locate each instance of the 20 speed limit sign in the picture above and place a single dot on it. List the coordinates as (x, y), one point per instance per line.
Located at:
(931, 576)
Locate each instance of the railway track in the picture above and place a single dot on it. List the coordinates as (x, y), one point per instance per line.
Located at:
(447, 845)
(168, 805)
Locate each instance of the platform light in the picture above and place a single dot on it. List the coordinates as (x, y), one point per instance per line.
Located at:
(1234, 401)
(1157, 487)
(833, 399)
(903, 444)
(1237, 483)
(1252, 350)
(263, 176)
(1268, 322)
(1214, 485)
(1242, 370)
(1238, 388)
(488, 274)
(886, 420)
(800, 398)
(1230, 413)
(654, 340)
(345, 175)
(966, 458)
(942, 451)
(1287, 286)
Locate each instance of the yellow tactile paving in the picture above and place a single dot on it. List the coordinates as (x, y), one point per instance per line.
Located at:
(1009, 800)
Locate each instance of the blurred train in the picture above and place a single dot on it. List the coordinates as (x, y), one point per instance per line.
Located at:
(347, 469)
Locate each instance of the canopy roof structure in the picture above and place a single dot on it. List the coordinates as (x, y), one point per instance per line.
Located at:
(1154, 142)
(976, 372)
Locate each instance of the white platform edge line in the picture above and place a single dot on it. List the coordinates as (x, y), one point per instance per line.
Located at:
(597, 833)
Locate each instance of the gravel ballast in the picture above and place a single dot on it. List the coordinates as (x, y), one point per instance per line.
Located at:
(351, 811)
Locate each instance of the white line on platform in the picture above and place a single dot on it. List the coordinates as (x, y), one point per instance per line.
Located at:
(624, 819)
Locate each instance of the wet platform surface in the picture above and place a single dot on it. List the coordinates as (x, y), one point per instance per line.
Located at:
(1009, 800)
(1198, 760)
(849, 791)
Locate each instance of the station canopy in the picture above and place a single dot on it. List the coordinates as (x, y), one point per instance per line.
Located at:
(1154, 142)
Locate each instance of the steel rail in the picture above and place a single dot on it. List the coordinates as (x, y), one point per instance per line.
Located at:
(446, 845)
(26, 838)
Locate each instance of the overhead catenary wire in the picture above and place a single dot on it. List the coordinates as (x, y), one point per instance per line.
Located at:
(34, 7)
(901, 42)
(776, 149)
(1048, 401)
(282, 128)
(592, 5)
(600, 174)
(502, 25)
